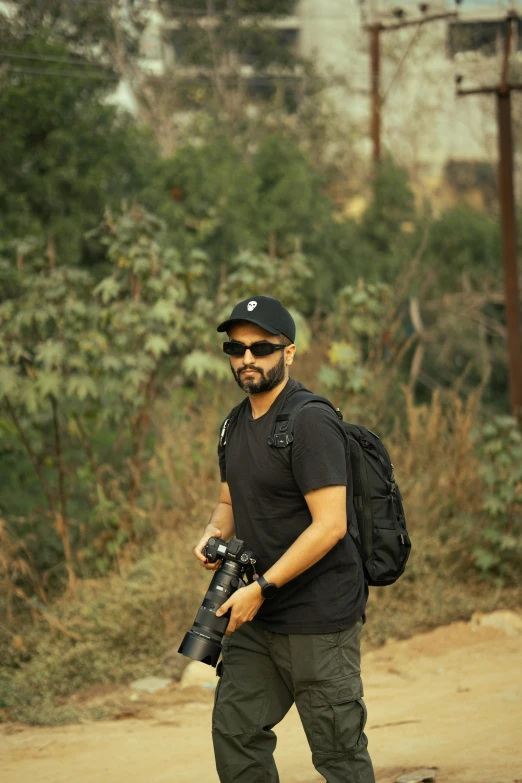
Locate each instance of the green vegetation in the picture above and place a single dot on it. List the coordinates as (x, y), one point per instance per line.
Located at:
(120, 254)
(65, 157)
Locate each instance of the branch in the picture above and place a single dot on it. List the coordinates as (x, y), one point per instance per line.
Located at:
(53, 621)
(63, 524)
(418, 356)
(90, 455)
(59, 459)
(32, 455)
(220, 89)
(138, 437)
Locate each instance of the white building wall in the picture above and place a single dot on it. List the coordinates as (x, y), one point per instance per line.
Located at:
(424, 123)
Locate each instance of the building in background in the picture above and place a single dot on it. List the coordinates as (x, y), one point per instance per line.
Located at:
(448, 143)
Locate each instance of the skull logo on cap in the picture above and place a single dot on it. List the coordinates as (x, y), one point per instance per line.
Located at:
(251, 306)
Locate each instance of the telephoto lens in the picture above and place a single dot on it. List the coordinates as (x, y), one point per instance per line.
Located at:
(203, 641)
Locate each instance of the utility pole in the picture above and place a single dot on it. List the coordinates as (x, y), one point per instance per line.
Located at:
(375, 73)
(374, 30)
(507, 205)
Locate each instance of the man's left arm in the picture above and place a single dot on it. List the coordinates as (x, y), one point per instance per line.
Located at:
(327, 507)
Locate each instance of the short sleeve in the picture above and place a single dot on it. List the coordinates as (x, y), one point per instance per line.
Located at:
(318, 449)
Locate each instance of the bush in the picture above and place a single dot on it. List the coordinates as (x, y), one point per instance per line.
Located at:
(110, 631)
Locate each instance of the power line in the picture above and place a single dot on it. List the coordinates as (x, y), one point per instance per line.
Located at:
(401, 63)
(194, 12)
(73, 74)
(46, 58)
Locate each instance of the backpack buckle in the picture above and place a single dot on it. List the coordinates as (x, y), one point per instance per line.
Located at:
(280, 440)
(223, 435)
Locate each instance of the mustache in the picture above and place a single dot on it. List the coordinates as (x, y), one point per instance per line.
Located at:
(259, 370)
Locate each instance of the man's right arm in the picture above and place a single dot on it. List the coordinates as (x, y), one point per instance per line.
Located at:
(221, 525)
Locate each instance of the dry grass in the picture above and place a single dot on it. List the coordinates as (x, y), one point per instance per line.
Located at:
(436, 467)
(118, 628)
(129, 624)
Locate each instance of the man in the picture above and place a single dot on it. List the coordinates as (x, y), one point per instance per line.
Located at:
(294, 634)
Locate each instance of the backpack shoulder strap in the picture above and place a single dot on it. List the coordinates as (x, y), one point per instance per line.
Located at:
(283, 434)
(230, 419)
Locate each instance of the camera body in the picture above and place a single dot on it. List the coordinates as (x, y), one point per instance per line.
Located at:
(233, 550)
(203, 641)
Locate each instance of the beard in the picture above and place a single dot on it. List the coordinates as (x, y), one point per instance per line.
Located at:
(266, 381)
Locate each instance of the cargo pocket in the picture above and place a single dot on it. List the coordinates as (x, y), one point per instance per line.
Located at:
(337, 715)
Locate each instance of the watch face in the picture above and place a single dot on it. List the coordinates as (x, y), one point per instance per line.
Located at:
(269, 590)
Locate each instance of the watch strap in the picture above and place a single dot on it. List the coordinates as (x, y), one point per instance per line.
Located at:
(268, 589)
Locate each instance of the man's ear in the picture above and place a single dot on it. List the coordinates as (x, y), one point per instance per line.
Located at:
(289, 355)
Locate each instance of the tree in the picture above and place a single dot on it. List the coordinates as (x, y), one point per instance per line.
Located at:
(79, 359)
(203, 47)
(65, 157)
(83, 365)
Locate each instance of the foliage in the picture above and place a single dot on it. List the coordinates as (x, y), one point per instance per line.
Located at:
(499, 446)
(251, 274)
(90, 31)
(115, 630)
(464, 243)
(218, 55)
(75, 157)
(230, 196)
(78, 360)
(128, 623)
(388, 232)
(82, 366)
(364, 369)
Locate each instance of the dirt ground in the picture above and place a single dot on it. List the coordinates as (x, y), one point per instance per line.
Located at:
(450, 699)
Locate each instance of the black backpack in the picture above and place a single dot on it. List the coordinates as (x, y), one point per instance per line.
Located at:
(378, 525)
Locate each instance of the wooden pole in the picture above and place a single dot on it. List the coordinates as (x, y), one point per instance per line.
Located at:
(375, 69)
(509, 250)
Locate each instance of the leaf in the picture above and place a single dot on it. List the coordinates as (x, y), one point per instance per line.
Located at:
(8, 380)
(50, 353)
(303, 331)
(493, 505)
(199, 364)
(134, 379)
(49, 383)
(489, 430)
(77, 362)
(485, 560)
(28, 396)
(108, 289)
(343, 355)
(163, 311)
(17, 352)
(82, 386)
(328, 377)
(156, 344)
(111, 362)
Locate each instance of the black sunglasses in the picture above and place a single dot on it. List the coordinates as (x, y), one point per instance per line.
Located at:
(262, 348)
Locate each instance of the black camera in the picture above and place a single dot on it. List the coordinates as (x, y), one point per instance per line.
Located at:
(203, 641)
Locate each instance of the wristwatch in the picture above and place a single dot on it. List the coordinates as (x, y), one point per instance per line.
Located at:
(268, 589)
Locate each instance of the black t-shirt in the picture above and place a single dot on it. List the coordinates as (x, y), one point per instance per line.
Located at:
(267, 486)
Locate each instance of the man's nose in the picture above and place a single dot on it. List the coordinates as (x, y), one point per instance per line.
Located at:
(248, 357)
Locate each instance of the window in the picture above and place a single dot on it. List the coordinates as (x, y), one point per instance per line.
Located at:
(190, 45)
(262, 47)
(484, 37)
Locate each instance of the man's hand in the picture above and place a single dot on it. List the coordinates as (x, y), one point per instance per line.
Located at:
(198, 550)
(244, 603)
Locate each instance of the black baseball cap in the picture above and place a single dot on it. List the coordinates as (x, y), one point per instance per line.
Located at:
(265, 312)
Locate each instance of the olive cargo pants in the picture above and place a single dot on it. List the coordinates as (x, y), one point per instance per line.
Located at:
(263, 674)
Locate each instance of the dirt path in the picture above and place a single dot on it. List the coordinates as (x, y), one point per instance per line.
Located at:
(451, 699)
